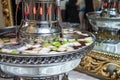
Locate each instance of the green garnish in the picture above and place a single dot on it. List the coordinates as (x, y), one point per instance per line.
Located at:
(5, 39)
(65, 42)
(57, 44)
(14, 52)
(54, 48)
(56, 38)
(46, 44)
(72, 40)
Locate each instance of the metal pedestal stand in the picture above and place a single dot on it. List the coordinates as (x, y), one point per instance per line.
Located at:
(61, 77)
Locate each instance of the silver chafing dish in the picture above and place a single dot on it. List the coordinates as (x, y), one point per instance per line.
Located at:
(110, 24)
(107, 31)
(42, 65)
(106, 22)
(41, 19)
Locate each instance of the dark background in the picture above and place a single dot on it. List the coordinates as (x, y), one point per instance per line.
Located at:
(70, 13)
(19, 13)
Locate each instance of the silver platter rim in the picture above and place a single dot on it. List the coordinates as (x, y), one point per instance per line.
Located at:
(101, 18)
(44, 60)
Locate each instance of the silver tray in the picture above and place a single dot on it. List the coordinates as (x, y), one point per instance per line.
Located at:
(7, 30)
(44, 64)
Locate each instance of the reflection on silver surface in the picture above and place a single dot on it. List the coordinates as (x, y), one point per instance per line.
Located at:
(41, 71)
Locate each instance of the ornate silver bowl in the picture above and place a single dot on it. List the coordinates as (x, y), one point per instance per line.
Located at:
(43, 65)
(105, 27)
(107, 31)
